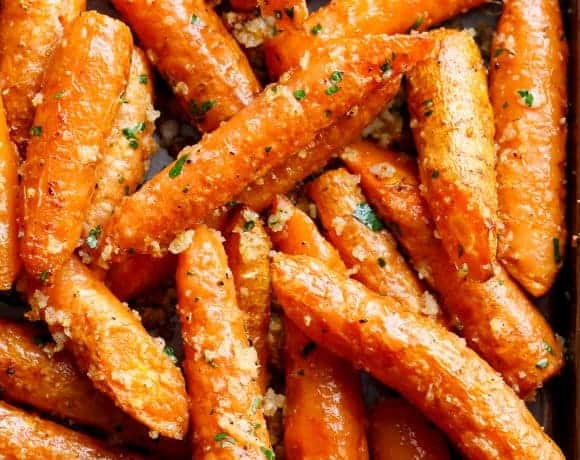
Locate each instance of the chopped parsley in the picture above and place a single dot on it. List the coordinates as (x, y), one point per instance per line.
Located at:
(249, 225)
(120, 179)
(60, 94)
(123, 98)
(336, 76)
(231, 204)
(224, 438)
(548, 348)
(44, 276)
(36, 131)
(199, 110)
(382, 262)
(308, 348)
(131, 134)
(316, 29)
(194, 19)
(168, 350)
(268, 453)
(418, 22)
(365, 215)
(557, 255)
(93, 237)
(542, 363)
(143, 79)
(332, 90)
(428, 104)
(178, 166)
(256, 403)
(299, 94)
(527, 96)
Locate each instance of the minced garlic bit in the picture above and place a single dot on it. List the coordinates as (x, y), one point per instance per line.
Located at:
(181, 242)
(430, 307)
(382, 170)
(250, 32)
(272, 402)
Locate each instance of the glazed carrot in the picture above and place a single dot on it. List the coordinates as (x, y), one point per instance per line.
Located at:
(284, 119)
(495, 317)
(398, 431)
(80, 99)
(452, 122)
(54, 385)
(428, 365)
(220, 367)
(283, 178)
(324, 412)
(348, 18)
(293, 232)
(9, 257)
(288, 14)
(355, 230)
(248, 249)
(190, 46)
(24, 436)
(29, 33)
(528, 93)
(112, 346)
(127, 151)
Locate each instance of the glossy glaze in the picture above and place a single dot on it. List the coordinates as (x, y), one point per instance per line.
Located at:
(29, 33)
(201, 61)
(80, 100)
(256, 139)
(220, 367)
(452, 123)
(495, 317)
(530, 54)
(428, 365)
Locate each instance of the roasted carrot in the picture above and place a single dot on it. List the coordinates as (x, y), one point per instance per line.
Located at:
(112, 346)
(220, 366)
(324, 413)
(190, 46)
(528, 93)
(428, 365)
(24, 436)
(9, 207)
(248, 249)
(348, 18)
(80, 99)
(359, 235)
(495, 317)
(284, 119)
(127, 150)
(53, 384)
(283, 178)
(287, 14)
(452, 122)
(398, 431)
(29, 33)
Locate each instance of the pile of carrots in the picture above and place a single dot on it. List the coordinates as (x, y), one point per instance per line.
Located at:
(415, 270)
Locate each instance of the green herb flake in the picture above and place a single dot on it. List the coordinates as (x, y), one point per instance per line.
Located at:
(93, 237)
(434, 174)
(418, 23)
(178, 166)
(131, 134)
(249, 225)
(256, 403)
(120, 179)
(199, 110)
(316, 29)
(527, 96)
(169, 351)
(44, 276)
(382, 262)
(231, 204)
(60, 94)
(308, 348)
(336, 76)
(332, 90)
(557, 255)
(365, 215)
(548, 348)
(224, 438)
(36, 131)
(542, 363)
(127, 190)
(268, 454)
(299, 94)
(123, 98)
(386, 68)
(143, 79)
(194, 19)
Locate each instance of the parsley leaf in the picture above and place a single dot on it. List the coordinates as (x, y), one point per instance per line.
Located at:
(527, 96)
(131, 134)
(268, 453)
(316, 29)
(199, 110)
(249, 225)
(93, 237)
(336, 76)
(365, 215)
(169, 351)
(178, 166)
(418, 22)
(143, 79)
(299, 94)
(36, 131)
(557, 255)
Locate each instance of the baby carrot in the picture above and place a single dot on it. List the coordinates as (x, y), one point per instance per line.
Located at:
(87, 74)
